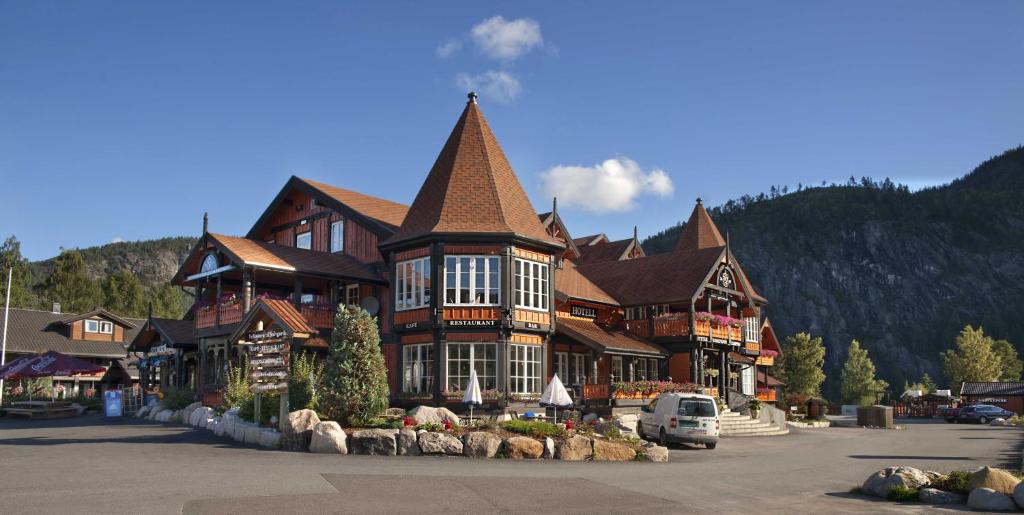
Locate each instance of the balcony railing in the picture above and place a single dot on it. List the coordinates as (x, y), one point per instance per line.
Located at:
(230, 313)
(680, 326)
(596, 391)
(766, 395)
(318, 315)
(754, 347)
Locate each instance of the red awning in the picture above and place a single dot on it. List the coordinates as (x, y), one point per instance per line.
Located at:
(49, 364)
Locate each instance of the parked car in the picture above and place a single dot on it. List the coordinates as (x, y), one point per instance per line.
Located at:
(681, 417)
(947, 413)
(982, 413)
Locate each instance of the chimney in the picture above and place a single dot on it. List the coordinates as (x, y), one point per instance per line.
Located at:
(56, 308)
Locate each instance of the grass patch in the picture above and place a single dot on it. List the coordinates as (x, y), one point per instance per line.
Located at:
(534, 428)
(955, 481)
(902, 494)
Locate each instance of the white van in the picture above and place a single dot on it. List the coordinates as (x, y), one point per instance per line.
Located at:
(680, 417)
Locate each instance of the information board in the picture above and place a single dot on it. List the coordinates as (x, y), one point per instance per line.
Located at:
(268, 363)
(112, 406)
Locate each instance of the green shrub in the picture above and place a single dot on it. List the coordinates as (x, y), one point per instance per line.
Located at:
(902, 494)
(534, 428)
(955, 481)
(356, 378)
(430, 426)
(178, 398)
(384, 423)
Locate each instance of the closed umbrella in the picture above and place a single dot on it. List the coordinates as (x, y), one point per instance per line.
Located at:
(556, 396)
(472, 397)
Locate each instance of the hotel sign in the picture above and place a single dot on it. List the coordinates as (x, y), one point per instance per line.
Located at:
(723, 341)
(582, 311)
(266, 336)
(472, 323)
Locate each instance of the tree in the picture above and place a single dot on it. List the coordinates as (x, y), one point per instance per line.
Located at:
(123, 294)
(1009, 362)
(356, 377)
(857, 380)
(166, 301)
(927, 384)
(70, 285)
(10, 256)
(801, 364)
(971, 360)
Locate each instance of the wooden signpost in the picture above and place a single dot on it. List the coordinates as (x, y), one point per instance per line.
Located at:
(269, 356)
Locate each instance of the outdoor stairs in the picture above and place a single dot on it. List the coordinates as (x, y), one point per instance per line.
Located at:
(738, 424)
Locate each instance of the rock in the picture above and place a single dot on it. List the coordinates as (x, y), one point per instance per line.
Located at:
(407, 443)
(934, 476)
(164, 415)
(227, 424)
(481, 444)
(936, 496)
(298, 429)
(549, 448)
(270, 439)
(996, 479)
(998, 422)
(576, 448)
(328, 438)
(987, 499)
(879, 483)
(522, 447)
(252, 434)
(154, 412)
(655, 452)
(215, 425)
(79, 409)
(378, 442)
(589, 417)
(238, 431)
(200, 416)
(176, 417)
(627, 423)
(612, 451)
(143, 411)
(439, 443)
(429, 415)
(1018, 495)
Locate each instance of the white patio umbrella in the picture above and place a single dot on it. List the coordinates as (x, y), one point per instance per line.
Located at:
(472, 397)
(555, 396)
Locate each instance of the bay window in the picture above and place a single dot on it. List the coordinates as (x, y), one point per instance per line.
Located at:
(531, 284)
(418, 368)
(465, 357)
(338, 236)
(524, 368)
(412, 284)
(472, 280)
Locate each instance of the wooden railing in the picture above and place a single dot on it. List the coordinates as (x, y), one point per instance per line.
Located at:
(318, 315)
(671, 327)
(753, 347)
(766, 396)
(638, 328)
(595, 391)
(681, 327)
(230, 313)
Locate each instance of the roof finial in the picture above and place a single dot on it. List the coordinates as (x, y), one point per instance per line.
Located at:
(206, 222)
(472, 97)
(554, 205)
(699, 200)
(634, 232)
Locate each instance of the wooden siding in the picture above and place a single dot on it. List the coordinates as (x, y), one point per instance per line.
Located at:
(471, 337)
(535, 256)
(530, 339)
(412, 254)
(537, 317)
(360, 243)
(472, 313)
(472, 249)
(391, 362)
(417, 338)
(679, 367)
(77, 330)
(413, 315)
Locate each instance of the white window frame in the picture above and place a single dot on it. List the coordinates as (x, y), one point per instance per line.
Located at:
(616, 363)
(752, 328)
(457, 274)
(531, 285)
(581, 368)
(338, 236)
(106, 327)
(348, 295)
(412, 289)
(418, 368)
(640, 370)
(95, 326)
(482, 375)
(524, 369)
(308, 235)
(747, 380)
(652, 369)
(562, 366)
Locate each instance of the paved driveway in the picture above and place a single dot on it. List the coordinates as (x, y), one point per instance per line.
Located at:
(88, 465)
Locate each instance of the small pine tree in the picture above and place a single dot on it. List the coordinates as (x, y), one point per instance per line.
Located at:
(928, 384)
(1010, 364)
(356, 377)
(801, 364)
(857, 379)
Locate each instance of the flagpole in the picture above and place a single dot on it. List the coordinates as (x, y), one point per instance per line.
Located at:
(3, 347)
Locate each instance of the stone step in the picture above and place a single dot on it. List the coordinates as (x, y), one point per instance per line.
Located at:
(744, 425)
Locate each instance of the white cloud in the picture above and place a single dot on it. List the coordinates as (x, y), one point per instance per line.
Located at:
(449, 48)
(611, 186)
(507, 40)
(117, 239)
(499, 86)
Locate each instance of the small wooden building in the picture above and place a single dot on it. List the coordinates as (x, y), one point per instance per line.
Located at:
(1008, 395)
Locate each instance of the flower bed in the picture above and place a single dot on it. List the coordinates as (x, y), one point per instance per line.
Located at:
(649, 389)
(717, 320)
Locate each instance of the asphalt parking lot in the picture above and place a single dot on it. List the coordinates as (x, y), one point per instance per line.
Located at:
(92, 465)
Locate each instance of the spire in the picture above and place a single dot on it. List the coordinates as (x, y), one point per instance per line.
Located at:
(700, 231)
(206, 222)
(472, 189)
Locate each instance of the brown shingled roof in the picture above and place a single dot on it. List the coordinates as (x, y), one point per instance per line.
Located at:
(279, 257)
(700, 232)
(384, 211)
(32, 331)
(590, 240)
(472, 189)
(281, 311)
(590, 333)
(658, 279)
(571, 283)
(602, 252)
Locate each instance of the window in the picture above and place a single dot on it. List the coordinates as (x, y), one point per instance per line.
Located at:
(306, 298)
(652, 369)
(92, 326)
(338, 236)
(617, 369)
(107, 327)
(304, 240)
(640, 370)
(524, 368)
(531, 285)
(418, 364)
(562, 365)
(412, 284)
(696, 408)
(581, 368)
(752, 329)
(472, 280)
(352, 295)
(747, 381)
(209, 263)
(660, 309)
(636, 313)
(463, 357)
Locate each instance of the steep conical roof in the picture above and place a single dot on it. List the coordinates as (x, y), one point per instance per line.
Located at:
(700, 231)
(472, 189)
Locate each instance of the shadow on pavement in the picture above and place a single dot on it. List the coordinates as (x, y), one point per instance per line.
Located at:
(898, 457)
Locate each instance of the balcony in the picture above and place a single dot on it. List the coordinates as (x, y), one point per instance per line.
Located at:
(320, 316)
(766, 394)
(679, 326)
(230, 313)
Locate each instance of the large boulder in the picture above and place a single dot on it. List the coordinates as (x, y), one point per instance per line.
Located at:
(1018, 495)
(936, 496)
(429, 415)
(549, 448)
(227, 424)
(987, 499)
(328, 438)
(407, 442)
(439, 443)
(252, 434)
(164, 415)
(575, 448)
(238, 431)
(879, 483)
(590, 417)
(298, 429)
(996, 479)
(481, 444)
(627, 423)
(998, 422)
(270, 438)
(379, 442)
(655, 452)
(612, 451)
(142, 412)
(522, 447)
(200, 416)
(215, 425)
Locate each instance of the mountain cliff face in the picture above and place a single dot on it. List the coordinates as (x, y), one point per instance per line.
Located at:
(154, 262)
(902, 272)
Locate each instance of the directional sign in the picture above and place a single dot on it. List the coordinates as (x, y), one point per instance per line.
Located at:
(264, 336)
(270, 361)
(267, 375)
(268, 387)
(268, 348)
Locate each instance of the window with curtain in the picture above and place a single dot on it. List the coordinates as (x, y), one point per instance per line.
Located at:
(418, 365)
(412, 284)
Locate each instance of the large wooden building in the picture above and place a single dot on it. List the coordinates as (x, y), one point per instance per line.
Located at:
(470, 276)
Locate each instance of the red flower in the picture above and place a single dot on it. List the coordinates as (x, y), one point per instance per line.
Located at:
(568, 424)
(447, 425)
(408, 422)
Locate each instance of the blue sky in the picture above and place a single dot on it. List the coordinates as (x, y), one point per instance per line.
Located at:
(128, 120)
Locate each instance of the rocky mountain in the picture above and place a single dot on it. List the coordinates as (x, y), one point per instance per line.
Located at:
(901, 271)
(154, 262)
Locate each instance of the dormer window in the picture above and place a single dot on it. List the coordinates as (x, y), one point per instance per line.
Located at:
(304, 240)
(106, 327)
(92, 326)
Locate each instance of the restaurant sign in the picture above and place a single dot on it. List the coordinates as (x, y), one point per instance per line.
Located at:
(723, 341)
(472, 323)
